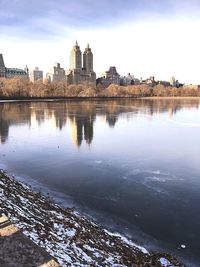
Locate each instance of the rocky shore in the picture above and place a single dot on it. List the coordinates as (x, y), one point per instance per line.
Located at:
(17, 250)
(69, 237)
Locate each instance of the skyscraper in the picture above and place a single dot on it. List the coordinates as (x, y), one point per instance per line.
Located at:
(88, 59)
(76, 57)
(79, 74)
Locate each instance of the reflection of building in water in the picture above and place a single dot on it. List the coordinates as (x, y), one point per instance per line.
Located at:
(57, 116)
(12, 114)
(88, 130)
(76, 132)
(4, 131)
(111, 119)
(34, 122)
(83, 114)
(172, 110)
(81, 127)
(40, 116)
(60, 114)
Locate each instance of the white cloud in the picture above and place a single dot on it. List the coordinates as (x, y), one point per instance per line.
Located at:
(154, 47)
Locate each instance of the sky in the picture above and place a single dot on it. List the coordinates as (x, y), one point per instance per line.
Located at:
(143, 37)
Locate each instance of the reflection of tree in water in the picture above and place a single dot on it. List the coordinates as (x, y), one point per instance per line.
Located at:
(82, 114)
(4, 126)
(39, 116)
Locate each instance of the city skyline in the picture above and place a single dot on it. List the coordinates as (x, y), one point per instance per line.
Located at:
(144, 38)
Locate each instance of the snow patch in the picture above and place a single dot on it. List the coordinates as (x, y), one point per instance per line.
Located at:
(165, 263)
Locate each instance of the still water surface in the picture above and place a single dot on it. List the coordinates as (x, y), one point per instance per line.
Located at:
(133, 164)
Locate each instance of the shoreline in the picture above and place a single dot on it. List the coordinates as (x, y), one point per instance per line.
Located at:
(96, 98)
(69, 237)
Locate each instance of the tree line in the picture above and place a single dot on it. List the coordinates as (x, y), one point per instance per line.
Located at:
(21, 88)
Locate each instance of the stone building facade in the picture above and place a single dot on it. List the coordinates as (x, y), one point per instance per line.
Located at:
(129, 80)
(174, 82)
(12, 72)
(81, 68)
(57, 74)
(15, 72)
(109, 77)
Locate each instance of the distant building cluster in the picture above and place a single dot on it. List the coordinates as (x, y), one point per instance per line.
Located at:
(81, 72)
(129, 80)
(113, 77)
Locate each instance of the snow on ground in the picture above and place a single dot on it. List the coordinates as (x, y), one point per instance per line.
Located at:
(72, 239)
(165, 263)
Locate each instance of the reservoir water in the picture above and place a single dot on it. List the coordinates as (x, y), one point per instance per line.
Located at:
(133, 165)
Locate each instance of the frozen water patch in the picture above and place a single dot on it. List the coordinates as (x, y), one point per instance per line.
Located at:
(129, 242)
(187, 124)
(147, 171)
(162, 178)
(159, 172)
(165, 263)
(98, 161)
(135, 172)
(70, 238)
(156, 188)
(156, 179)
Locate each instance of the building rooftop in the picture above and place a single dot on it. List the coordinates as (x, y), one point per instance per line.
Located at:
(14, 69)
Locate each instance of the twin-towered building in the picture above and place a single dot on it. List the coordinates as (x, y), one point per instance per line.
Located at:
(81, 67)
(80, 72)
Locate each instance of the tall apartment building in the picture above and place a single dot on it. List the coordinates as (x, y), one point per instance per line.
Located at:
(36, 75)
(81, 68)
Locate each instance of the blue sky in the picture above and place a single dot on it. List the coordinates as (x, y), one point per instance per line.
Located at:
(133, 35)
